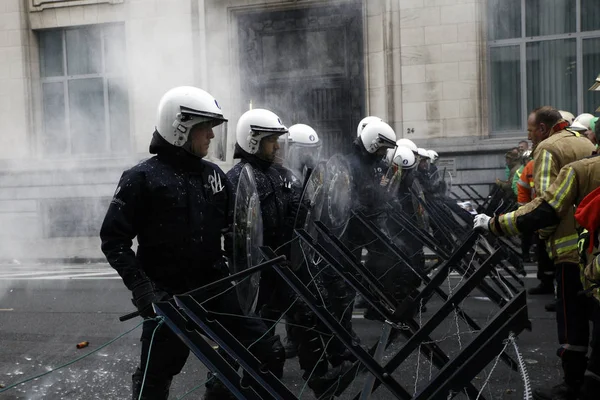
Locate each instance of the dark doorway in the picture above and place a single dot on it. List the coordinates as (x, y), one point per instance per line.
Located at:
(306, 65)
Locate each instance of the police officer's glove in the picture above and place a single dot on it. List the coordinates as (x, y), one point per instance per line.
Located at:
(220, 268)
(285, 264)
(144, 294)
(481, 222)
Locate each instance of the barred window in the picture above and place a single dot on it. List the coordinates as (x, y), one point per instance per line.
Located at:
(541, 52)
(84, 91)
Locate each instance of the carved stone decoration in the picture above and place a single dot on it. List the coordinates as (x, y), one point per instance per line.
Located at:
(307, 65)
(39, 5)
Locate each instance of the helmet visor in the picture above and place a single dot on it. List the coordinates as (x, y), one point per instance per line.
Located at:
(218, 145)
(383, 141)
(301, 157)
(284, 143)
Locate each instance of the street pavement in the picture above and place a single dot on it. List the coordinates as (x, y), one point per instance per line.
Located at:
(45, 310)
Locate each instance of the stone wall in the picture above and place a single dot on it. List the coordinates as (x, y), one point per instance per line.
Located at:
(15, 80)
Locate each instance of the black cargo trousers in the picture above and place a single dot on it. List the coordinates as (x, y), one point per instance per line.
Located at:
(168, 354)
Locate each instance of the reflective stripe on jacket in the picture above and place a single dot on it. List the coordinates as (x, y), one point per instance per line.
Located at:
(559, 149)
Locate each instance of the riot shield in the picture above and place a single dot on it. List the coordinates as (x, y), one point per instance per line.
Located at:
(441, 182)
(247, 238)
(327, 197)
(392, 179)
(338, 198)
(419, 211)
(311, 205)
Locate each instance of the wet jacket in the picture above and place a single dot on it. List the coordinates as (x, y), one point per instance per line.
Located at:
(367, 172)
(176, 205)
(562, 147)
(279, 193)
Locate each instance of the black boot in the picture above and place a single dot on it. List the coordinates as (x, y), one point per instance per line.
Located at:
(561, 391)
(321, 384)
(542, 288)
(574, 365)
(551, 307)
(152, 389)
(590, 389)
(216, 390)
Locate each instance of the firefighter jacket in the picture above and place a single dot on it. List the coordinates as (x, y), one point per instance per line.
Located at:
(562, 147)
(525, 185)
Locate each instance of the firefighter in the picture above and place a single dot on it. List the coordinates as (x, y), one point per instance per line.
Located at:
(555, 147)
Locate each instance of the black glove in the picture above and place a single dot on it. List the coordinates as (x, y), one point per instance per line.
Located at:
(144, 294)
(228, 244)
(220, 268)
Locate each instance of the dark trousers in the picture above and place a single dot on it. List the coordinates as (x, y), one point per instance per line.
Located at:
(572, 310)
(168, 353)
(545, 266)
(277, 297)
(526, 240)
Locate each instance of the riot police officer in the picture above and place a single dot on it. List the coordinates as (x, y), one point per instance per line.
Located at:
(257, 145)
(177, 205)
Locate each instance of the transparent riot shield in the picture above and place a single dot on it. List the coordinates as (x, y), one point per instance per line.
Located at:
(311, 205)
(247, 238)
(392, 179)
(441, 182)
(327, 198)
(419, 211)
(338, 199)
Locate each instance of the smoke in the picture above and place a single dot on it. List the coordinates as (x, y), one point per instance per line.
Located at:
(306, 65)
(95, 92)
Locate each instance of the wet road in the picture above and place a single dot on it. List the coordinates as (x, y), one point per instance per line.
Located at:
(45, 310)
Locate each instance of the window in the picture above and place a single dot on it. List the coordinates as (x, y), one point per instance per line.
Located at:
(84, 91)
(541, 52)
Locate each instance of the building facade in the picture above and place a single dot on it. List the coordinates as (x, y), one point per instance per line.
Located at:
(80, 81)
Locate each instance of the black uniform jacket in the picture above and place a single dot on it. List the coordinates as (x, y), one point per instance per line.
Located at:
(279, 195)
(177, 205)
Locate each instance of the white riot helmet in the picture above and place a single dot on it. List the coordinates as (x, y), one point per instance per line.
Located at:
(183, 107)
(407, 143)
(304, 148)
(303, 134)
(364, 122)
(399, 160)
(401, 157)
(255, 125)
(423, 154)
(582, 122)
(377, 135)
(433, 155)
